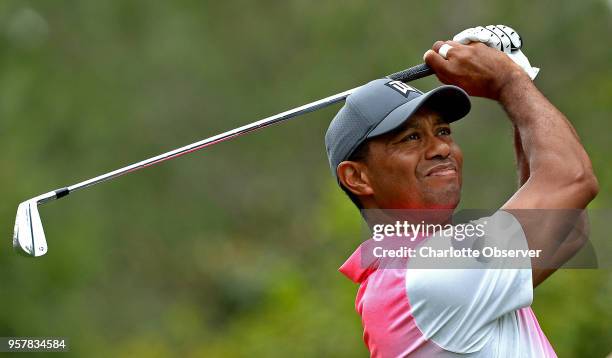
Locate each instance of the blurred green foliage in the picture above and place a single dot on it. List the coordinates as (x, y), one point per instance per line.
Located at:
(233, 252)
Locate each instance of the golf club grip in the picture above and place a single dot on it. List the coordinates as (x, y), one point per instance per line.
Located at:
(412, 73)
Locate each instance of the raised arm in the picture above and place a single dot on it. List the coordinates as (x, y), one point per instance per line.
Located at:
(554, 166)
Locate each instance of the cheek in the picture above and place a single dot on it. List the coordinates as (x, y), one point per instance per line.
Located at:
(404, 165)
(458, 155)
(394, 171)
(403, 182)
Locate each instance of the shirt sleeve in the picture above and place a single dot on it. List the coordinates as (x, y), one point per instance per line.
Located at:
(458, 307)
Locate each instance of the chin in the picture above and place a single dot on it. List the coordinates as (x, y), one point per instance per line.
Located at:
(448, 199)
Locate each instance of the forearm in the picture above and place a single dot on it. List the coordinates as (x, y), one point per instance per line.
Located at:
(553, 154)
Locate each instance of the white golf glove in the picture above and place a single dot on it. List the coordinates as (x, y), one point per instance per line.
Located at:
(501, 37)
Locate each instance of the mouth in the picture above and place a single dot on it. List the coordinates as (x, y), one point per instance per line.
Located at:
(442, 170)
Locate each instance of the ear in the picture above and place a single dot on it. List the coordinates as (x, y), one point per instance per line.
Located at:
(353, 175)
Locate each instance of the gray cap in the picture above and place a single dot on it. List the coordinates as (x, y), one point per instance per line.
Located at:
(381, 106)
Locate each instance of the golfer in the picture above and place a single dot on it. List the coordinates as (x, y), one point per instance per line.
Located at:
(391, 147)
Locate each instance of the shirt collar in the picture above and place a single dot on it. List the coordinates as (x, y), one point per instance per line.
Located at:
(356, 270)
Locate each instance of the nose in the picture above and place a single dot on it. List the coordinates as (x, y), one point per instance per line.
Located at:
(437, 148)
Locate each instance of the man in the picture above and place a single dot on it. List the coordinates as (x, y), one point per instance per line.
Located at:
(390, 147)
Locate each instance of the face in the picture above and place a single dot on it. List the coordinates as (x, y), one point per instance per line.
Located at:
(414, 167)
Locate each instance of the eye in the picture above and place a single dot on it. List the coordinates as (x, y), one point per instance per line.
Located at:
(444, 131)
(411, 137)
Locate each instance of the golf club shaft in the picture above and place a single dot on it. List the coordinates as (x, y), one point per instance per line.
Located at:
(406, 75)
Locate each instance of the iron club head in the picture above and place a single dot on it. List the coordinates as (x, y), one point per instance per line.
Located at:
(29, 236)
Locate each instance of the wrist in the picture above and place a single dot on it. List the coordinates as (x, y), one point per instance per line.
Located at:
(513, 83)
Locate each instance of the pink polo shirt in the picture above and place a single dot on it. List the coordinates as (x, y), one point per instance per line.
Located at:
(415, 312)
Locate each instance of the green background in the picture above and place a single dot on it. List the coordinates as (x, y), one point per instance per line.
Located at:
(233, 251)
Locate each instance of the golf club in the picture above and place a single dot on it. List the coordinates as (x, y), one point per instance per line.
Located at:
(29, 236)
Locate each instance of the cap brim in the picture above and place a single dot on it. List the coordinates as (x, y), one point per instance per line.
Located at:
(450, 101)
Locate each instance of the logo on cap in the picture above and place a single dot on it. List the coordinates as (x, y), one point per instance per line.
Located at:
(400, 87)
